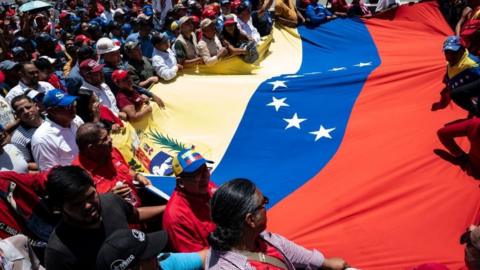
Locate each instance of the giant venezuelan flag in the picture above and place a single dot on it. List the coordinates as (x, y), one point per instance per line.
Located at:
(336, 128)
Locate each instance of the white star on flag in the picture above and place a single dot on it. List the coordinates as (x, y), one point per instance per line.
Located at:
(363, 64)
(337, 69)
(277, 103)
(294, 121)
(277, 84)
(322, 132)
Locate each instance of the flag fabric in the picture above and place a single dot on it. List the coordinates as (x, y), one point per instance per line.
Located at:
(334, 125)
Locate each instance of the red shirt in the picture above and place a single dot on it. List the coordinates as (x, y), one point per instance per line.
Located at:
(106, 176)
(25, 194)
(125, 98)
(187, 220)
(270, 251)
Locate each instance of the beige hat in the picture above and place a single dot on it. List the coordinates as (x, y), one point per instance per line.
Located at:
(205, 23)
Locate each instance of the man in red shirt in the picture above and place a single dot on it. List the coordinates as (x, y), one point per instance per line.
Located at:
(108, 168)
(187, 217)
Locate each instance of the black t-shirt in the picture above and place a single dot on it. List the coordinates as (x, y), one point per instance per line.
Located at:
(73, 248)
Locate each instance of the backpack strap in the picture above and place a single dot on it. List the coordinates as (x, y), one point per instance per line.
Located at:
(262, 257)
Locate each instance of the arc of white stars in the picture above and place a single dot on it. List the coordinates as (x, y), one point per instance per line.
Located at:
(278, 103)
(337, 69)
(361, 64)
(322, 133)
(294, 121)
(277, 84)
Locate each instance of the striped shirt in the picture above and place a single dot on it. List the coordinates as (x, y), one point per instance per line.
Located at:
(21, 138)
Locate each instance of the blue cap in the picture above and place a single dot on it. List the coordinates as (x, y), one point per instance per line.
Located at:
(127, 28)
(453, 43)
(188, 161)
(148, 10)
(57, 97)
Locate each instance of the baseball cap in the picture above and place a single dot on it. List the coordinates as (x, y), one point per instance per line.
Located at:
(118, 12)
(125, 248)
(225, 2)
(7, 65)
(178, 7)
(17, 50)
(188, 161)
(90, 66)
(119, 75)
(208, 13)
(205, 23)
(183, 20)
(57, 97)
(64, 15)
(81, 39)
(35, 95)
(229, 20)
(148, 10)
(174, 25)
(130, 45)
(452, 43)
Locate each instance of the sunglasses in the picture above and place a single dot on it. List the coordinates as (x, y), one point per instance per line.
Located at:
(264, 203)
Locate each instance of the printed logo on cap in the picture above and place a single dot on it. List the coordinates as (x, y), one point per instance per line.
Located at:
(122, 264)
(59, 95)
(139, 235)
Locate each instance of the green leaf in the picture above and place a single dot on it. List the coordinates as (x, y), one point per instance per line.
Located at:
(165, 141)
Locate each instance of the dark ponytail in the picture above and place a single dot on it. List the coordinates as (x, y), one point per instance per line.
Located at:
(229, 206)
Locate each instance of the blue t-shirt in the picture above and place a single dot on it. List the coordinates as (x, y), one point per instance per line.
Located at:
(145, 44)
(180, 261)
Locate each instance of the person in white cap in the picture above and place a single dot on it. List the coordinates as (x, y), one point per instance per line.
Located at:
(110, 56)
(209, 47)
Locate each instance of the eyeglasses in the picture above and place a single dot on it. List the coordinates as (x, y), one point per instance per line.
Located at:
(264, 203)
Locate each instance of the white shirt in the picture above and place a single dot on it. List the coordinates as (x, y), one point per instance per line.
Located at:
(165, 64)
(104, 94)
(19, 254)
(249, 29)
(21, 88)
(54, 145)
(12, 160)
(107, 16)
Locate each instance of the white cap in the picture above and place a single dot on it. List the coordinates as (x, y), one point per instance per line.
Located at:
(106, 45)
(50, 59)
(118, 11)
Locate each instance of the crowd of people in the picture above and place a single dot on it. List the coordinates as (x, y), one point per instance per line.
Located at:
(73, 75)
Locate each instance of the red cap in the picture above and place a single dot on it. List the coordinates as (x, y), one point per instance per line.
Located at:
(90, 66)
(209, 13)
(10, 12)
(119, 75)
(195, 20)
(235, 4)
(64, 15)
(82, 39)
(229, 21)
